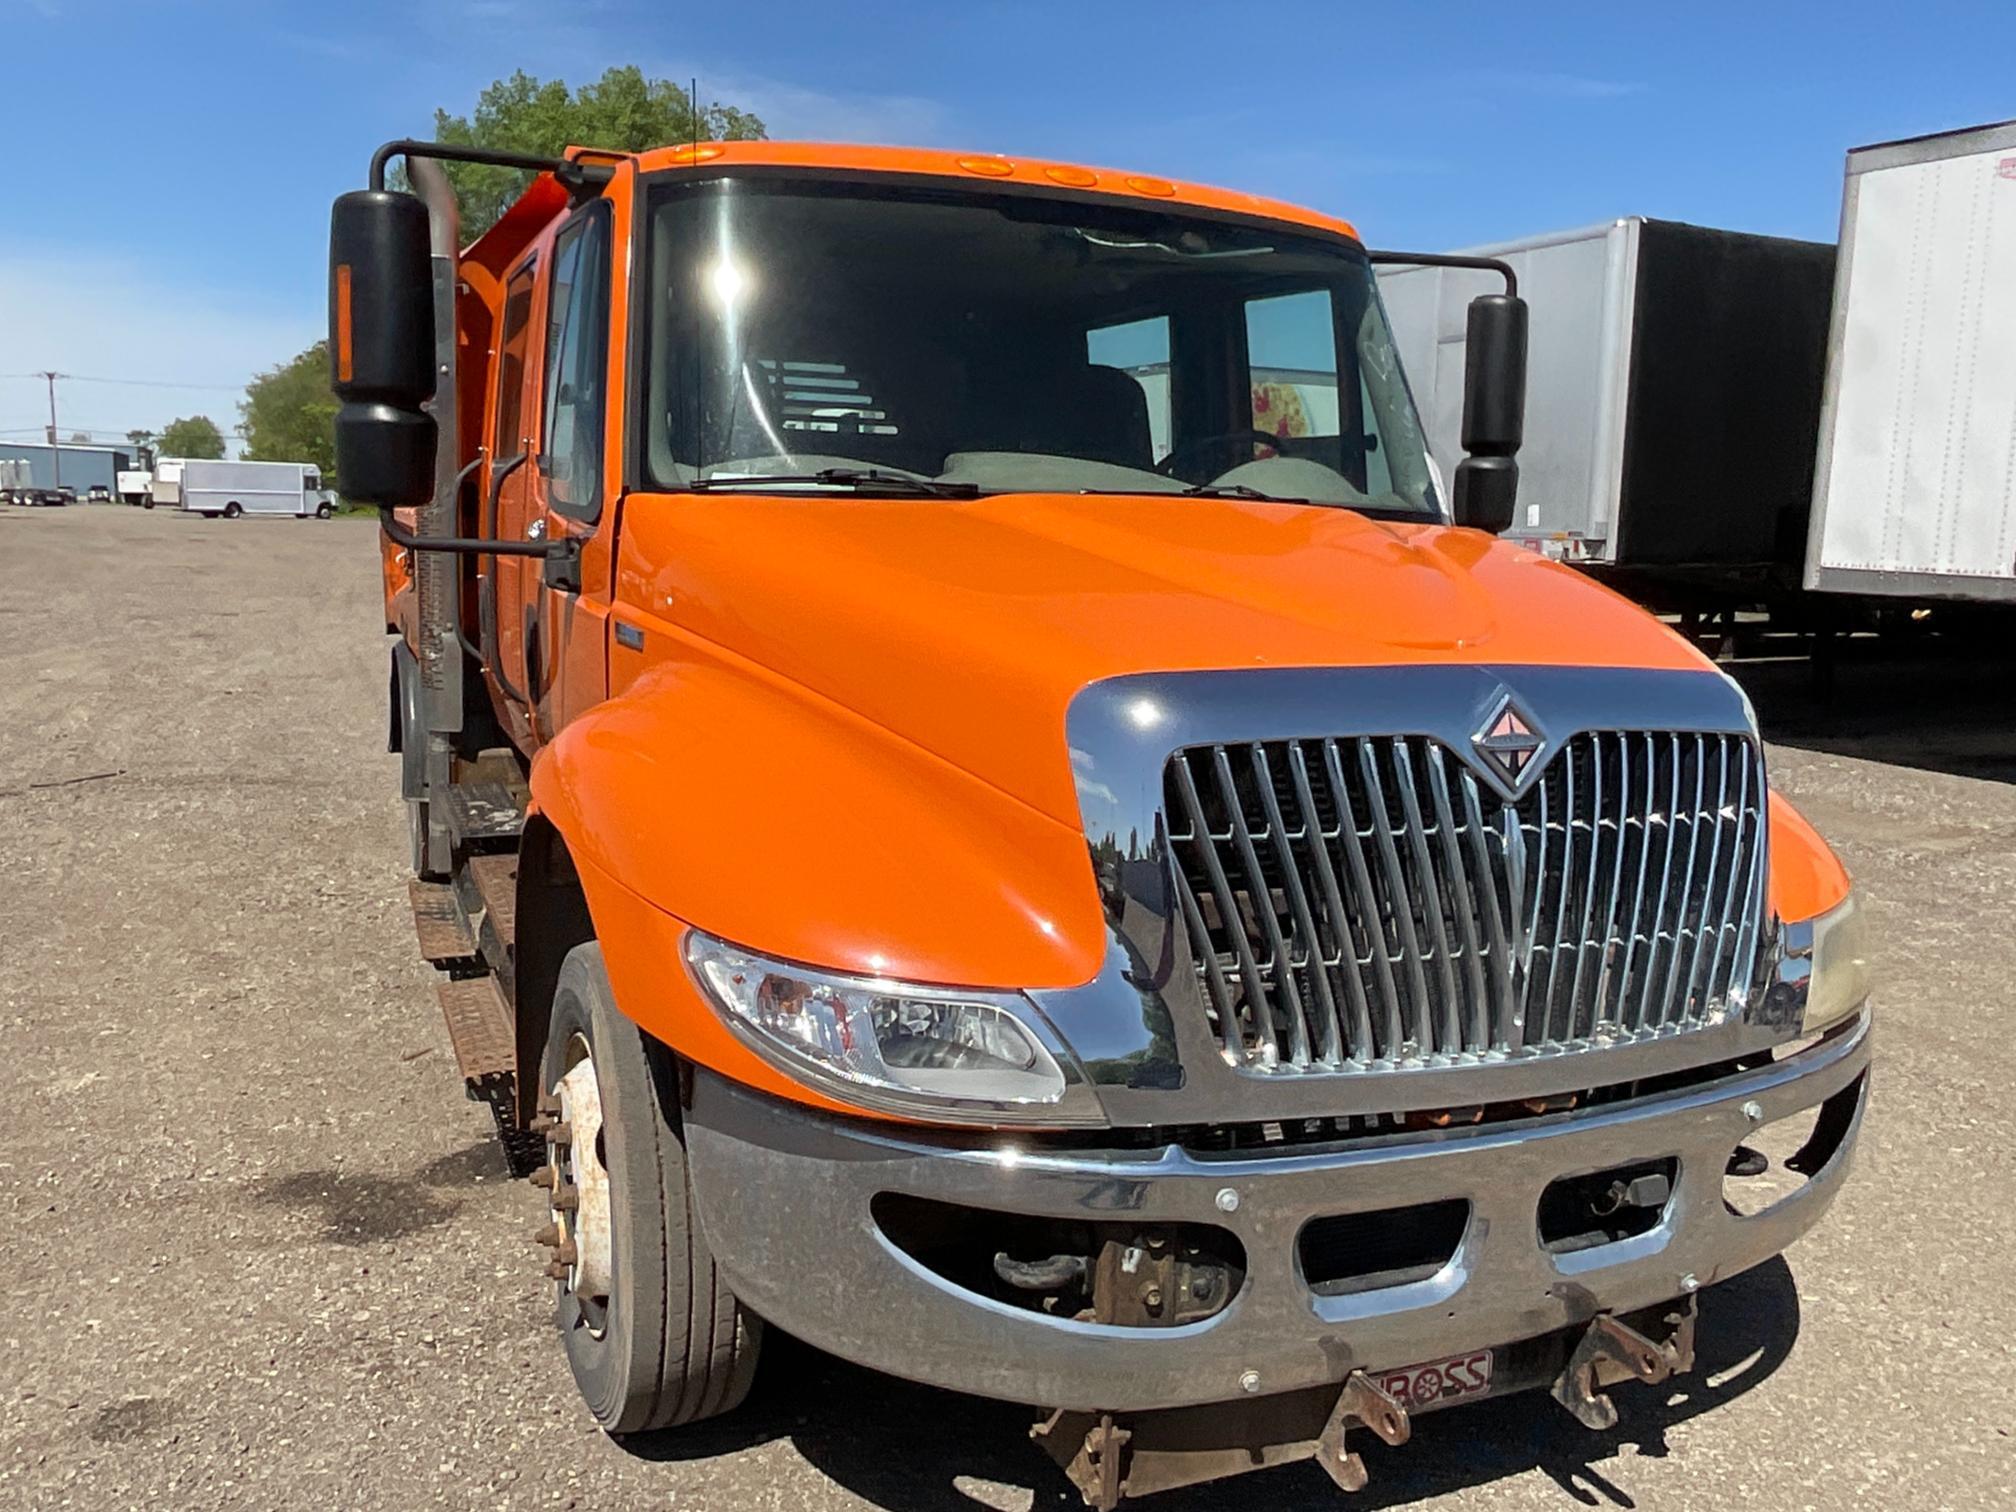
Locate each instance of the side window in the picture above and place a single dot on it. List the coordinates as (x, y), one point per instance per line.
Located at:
(577, 330)
(513, 339)
(1291, 363)
(1140, 349)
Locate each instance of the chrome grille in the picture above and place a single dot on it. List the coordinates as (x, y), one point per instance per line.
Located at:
(1365, 903)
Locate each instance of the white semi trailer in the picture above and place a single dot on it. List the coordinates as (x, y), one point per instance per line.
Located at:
(232, 489)
(1915, 492)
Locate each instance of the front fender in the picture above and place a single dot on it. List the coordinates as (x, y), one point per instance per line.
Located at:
(1807, 878)
(757, 812)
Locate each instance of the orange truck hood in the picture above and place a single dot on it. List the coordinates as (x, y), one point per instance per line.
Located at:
(966, 627)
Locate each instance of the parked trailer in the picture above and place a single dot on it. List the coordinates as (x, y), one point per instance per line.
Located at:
(232, 489)
(135, 487)
(1673, 396)
(1916, 489)
(166, 489)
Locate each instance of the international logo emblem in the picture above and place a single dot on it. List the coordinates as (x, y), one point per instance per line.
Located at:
(1507, 743)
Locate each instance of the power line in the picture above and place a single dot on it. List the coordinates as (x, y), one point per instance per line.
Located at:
(222, 388)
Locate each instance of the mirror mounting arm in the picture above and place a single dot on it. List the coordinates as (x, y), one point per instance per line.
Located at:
(460, 545)
(578, 178)
(1496, 265)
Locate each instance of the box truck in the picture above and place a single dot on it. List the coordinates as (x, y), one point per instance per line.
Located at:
(1674, 399)
(1112, 896)
(233, 489)
(1916, 490)
(135, 486)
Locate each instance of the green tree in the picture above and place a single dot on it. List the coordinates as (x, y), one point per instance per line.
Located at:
(196, 436)
(289, 415)
(622, 109)
(79, 438)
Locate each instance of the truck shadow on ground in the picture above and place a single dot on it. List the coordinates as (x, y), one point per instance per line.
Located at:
(908, 1448)
(1941, 704)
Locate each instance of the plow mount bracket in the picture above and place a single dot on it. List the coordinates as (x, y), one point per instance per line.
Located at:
(1611, 1352)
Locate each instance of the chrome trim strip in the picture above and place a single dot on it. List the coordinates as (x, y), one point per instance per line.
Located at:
(1291, 882)
(1348, 966)
(1502, 1007)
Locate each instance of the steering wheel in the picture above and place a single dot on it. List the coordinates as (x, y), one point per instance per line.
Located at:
(1188, 449)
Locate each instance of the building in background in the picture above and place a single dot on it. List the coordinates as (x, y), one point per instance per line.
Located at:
(83, 466)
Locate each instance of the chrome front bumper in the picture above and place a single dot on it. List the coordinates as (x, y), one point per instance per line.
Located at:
(784, 1195)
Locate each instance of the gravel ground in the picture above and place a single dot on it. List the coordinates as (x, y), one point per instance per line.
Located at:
(259, 1251)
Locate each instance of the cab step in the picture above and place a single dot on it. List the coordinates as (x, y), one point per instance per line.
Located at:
(480, 1028)
(483, 816)
(445, 938)
(486, 891)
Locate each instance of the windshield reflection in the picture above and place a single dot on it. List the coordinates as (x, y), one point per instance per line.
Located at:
(820, 335)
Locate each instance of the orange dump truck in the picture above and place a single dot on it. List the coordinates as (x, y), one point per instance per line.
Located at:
(980, 800)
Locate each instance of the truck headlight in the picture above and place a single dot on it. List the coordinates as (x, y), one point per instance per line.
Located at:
(973, 1057)
(1837, 949)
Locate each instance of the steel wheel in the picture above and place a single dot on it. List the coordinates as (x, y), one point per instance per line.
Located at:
(577, 1202)
(653, 1334)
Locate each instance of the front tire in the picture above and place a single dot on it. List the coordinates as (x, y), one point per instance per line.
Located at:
(233, 510)
(653, 1335)
(323, 511)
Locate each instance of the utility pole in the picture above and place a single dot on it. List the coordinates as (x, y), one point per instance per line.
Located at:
(55, 451)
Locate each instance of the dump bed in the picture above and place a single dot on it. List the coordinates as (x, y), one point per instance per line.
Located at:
(1916, 486)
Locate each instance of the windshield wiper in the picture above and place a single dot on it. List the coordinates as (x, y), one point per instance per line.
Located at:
(862, 479)
(1240, 491)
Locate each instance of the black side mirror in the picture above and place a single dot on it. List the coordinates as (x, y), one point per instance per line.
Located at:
(1494, 412)
(381, 346)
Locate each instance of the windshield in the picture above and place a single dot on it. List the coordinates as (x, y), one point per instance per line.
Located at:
(1000, 342)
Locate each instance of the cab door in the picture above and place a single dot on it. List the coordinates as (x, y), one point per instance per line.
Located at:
(569, 477)
(504, 596)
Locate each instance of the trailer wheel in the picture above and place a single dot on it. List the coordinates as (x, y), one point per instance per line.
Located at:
(653, 1335)
(233, 510)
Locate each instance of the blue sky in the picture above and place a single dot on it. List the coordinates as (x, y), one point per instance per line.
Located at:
(172, 163)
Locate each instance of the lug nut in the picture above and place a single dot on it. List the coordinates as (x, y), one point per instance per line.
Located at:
(543, 1177)
(564, 1199)
(565, 1252)
(548, 1103)
(557, 1271)
(559, 1133)
(548, 1236)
